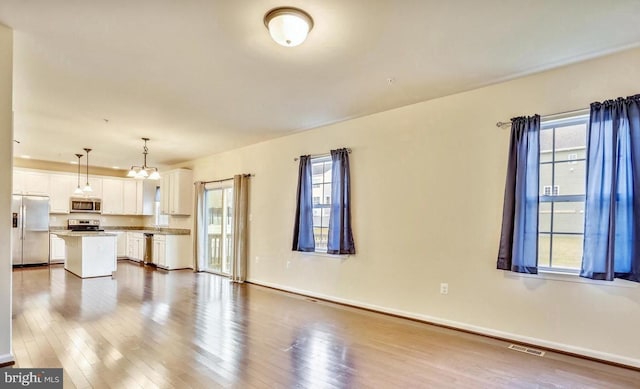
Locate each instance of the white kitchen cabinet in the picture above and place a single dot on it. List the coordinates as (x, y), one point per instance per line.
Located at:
(138, 196)
(62, 187)
(135, 246)
(57, 250)
(96, 186)
(159, 251)
(176, 192)
(112, 196)
(121, 243)
(172, 251)
(130, 197)
(36, 183)
(18, 181)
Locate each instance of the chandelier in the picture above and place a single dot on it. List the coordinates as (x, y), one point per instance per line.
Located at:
(144, 171)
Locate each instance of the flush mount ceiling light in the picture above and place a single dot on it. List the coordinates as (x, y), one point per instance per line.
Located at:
(144, 171)
(288, 26)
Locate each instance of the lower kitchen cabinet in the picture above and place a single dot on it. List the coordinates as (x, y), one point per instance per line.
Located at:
(135, 246)
(57, 250)
(172, 251)
(159, 257)
(121, 245)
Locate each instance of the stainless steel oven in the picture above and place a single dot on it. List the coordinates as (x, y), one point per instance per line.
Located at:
(85, 205)
(84, 225)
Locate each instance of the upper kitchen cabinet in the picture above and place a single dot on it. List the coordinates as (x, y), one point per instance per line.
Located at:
(18, 181)
(96, 186)
(176, 192)
(139, 196)
(28, 182)
(62, 187)
(130, 197)
(112, 196)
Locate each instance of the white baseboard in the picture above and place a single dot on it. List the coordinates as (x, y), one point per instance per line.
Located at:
(619, 359)
(6, 358)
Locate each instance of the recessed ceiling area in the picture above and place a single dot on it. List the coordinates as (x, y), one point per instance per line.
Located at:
(200, 77)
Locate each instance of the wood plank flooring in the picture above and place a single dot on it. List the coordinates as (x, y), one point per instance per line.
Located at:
(148, 328)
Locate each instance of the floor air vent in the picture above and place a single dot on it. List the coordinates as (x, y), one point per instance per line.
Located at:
(523, 349)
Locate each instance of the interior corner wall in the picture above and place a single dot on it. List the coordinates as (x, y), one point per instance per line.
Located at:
(427, 189)
(6, 158)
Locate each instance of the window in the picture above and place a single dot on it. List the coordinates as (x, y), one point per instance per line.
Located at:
(561, 216)
(548, 192)
(159, 219)
(321, 188)
(323, 205)
(219, 225)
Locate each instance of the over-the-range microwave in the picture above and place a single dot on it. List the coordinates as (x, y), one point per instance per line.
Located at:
(85, 205)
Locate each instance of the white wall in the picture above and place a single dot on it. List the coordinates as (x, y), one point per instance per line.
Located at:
(6, 157)
(428, 182)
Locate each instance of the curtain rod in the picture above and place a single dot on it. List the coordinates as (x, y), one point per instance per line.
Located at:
(222, 180)
(585, 110)
(320, 155)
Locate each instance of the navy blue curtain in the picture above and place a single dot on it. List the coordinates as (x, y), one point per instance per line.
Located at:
(303, 226)
(340, 240)
(612, 212)
(519, 238)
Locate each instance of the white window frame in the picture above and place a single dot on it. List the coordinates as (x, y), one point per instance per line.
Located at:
(554, 197)
(321, 205)
(225, 245)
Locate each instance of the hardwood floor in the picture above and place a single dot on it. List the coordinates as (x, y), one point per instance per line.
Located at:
(149, 328)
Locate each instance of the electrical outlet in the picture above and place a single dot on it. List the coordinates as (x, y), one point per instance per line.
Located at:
(288, 264)
(257, 259)
(444, 288)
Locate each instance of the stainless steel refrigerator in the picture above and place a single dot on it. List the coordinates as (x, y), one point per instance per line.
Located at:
(30, 230)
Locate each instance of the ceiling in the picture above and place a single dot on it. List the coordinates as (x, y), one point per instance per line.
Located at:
(203, 76)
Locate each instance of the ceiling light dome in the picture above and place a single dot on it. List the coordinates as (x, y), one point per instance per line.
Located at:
(288, 26)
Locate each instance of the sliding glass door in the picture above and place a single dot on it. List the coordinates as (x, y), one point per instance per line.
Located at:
(219, 225)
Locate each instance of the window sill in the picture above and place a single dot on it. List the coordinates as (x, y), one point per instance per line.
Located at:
(573, 277)
(321, 254)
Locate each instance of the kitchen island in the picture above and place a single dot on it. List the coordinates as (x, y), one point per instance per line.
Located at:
(90, 254)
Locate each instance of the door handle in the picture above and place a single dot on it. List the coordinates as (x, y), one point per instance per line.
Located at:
(24, 219)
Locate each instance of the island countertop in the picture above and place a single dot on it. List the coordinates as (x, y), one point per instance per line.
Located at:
(90, 253)
(142, 230)
(81, 233)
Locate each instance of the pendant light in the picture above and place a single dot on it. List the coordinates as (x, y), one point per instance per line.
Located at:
(288, 26)
(144, 171)
(78, 190)
(87, 188)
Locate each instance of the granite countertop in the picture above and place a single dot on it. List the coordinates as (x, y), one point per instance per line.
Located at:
(151, 230)
(82, 233)
(143, 230)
